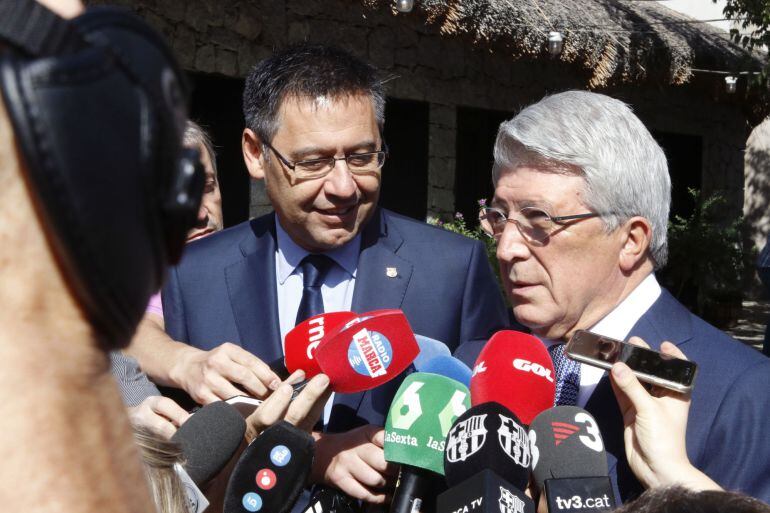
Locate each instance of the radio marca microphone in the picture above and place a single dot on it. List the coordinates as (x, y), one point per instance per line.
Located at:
(302, 341)
(271, 473)
(208, 440)
(430, 348)
(569, 461)
(515, 370)
(415, 430)
(367, 351)
(450, 367)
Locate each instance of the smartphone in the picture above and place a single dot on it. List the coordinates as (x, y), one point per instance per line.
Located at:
(648, 365)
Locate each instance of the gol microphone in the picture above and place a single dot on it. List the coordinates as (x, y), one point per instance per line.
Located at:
(569, 461)
(520, 362)
(271, 473)
(415, 430)
(208, 439)
(367, 351)
(486, 462)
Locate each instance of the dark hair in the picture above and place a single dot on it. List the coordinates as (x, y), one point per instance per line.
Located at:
(675, 499)
(306, 71)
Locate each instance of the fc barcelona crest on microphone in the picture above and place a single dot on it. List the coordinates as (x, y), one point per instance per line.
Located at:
(509, 503)
(466, 438)
(514, 441)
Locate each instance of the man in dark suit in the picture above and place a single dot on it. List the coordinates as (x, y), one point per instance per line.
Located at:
(314, 119)
(580, 211)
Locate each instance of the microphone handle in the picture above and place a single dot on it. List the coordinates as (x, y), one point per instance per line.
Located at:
(416, 491)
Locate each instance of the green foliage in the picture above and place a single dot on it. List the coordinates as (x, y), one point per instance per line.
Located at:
(755, 16)
(706, 261)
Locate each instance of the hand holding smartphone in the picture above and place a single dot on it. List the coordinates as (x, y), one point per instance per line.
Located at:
(648, 365)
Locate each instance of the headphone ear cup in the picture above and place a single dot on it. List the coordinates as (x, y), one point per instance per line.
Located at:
(182, 201)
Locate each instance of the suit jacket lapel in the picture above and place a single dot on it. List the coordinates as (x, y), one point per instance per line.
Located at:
(375, 288)
(665, 320)
(383, 276)
(251, 285)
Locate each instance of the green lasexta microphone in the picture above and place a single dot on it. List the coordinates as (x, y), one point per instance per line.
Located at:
(419, 419)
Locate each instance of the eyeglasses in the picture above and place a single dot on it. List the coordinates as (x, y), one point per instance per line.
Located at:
(358, 163)
(535, 224)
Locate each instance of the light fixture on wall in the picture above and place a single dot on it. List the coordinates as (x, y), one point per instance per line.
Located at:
(731, 83)
(404, 5)
(555, 42)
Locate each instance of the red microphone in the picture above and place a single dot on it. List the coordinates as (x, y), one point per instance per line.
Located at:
(514, 369)
(367, 351)
(301, 342)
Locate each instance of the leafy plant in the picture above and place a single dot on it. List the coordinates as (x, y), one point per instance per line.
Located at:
(706, 261)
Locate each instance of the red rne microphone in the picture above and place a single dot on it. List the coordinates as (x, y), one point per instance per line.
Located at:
(514, 369)
(367, 351)
(301, 342)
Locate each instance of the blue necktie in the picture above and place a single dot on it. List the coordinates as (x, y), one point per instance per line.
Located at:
(567, 373)
(314, 270)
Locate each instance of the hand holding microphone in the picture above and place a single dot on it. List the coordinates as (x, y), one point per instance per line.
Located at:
(654, 428)
(303, 411)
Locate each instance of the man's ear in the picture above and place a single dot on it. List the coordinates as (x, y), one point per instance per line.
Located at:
(637, 235)
(251, 145)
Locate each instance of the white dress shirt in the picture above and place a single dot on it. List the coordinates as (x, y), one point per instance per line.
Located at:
(616, 324)
(336, 290)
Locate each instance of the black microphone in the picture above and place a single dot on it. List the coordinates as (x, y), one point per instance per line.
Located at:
(569, 461)
(208, 440)
(486, 463)
(271, 473)
(330, 500)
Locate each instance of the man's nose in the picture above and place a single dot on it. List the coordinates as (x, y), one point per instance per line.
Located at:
(511, 245)
(340, 181)
(203, 214)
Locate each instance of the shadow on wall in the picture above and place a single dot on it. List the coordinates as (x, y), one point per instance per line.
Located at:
(756, 207)
(756, 203)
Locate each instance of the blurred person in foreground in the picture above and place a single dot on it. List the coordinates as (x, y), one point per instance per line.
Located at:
(677, 499)
(579, 215)
(97, 196)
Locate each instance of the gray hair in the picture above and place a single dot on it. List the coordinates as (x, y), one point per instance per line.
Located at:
(624, 169)
(194, 135)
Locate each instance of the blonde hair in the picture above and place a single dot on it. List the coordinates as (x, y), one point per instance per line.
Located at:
(159, 457)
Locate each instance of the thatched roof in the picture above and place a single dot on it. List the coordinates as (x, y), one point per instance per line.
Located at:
(614, 41)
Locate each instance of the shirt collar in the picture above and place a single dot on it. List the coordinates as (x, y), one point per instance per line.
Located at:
(290, 254)
(618, 323)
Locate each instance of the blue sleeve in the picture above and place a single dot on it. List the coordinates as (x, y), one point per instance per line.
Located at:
(737, 452)
(173, 307)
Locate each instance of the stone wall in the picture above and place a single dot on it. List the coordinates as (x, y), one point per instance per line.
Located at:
(229, 36)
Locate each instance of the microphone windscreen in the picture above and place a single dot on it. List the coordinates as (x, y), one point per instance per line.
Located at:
(367, 351)
(302, 341)
(420, 417)
(488, 436)
(330, 500)
(568, 444)
(271, 473)
(429, 349)
(515, 370)
(450, 367)
(209, 438)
